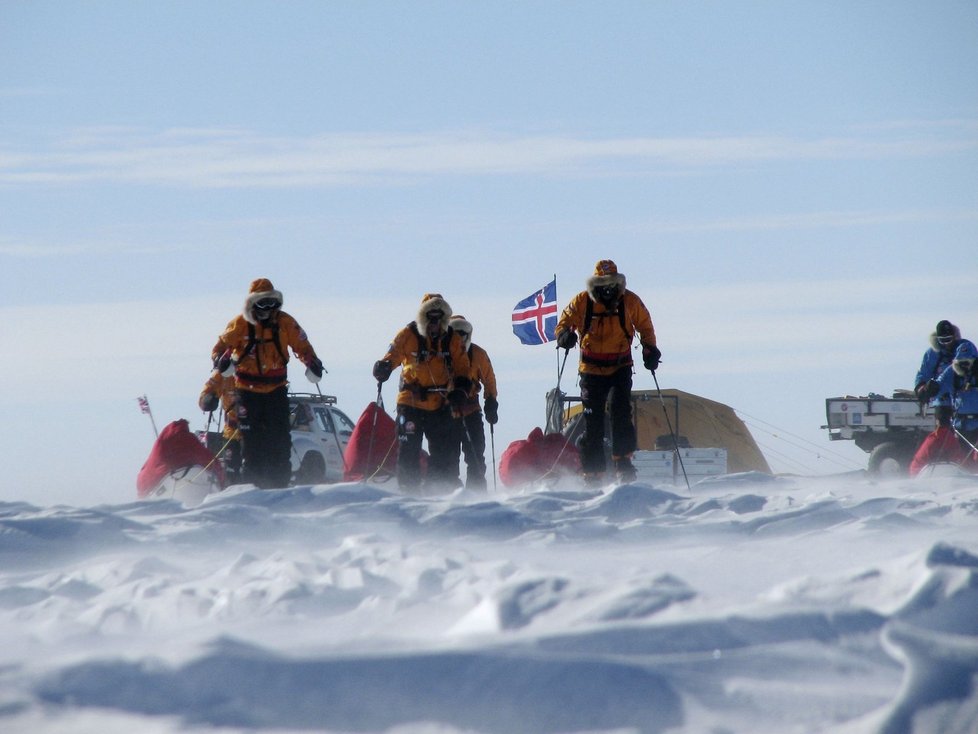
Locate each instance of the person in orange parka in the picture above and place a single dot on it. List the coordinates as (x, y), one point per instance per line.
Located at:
(473, 431)
(255, 346)
(219, 392)
(606, 316)
(434, 383)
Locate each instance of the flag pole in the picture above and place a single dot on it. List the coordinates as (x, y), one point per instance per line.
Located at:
(144, 406)
(560, 369)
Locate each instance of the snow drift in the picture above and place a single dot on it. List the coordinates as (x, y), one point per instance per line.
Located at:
(752, 604)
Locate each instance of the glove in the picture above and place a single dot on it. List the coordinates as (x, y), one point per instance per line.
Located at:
(650, 357)
(382, 370)
(926, 390)
(457, 398)
(567, 339)
(491, 410)
(223, 363)
(314, 370)
(208, 402)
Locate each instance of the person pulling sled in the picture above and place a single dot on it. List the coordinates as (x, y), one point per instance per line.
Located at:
(604, 319)
(944, 343)
(255, 348)
(433, 389)
(473, 430)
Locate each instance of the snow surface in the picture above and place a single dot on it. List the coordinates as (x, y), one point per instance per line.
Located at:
(750, 604)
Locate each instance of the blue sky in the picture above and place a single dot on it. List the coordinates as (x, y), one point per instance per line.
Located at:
(791, 187)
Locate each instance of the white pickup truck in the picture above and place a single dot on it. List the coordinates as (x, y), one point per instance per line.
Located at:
(320, 432)
(889, 429)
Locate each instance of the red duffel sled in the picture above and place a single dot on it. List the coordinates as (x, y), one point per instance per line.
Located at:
(371, 452)
(540, 456)
(179, 466)
(941, 446)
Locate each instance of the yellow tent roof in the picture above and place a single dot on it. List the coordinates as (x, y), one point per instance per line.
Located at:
(704, 422)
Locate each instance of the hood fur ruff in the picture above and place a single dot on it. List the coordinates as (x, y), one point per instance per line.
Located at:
(936, 345)
(429, 302)
(460, 322)
(599, 281)
(964, 359)
(260, 288)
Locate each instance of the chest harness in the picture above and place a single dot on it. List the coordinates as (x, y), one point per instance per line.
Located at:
(254, 345)
(424, 355)
(605, 359)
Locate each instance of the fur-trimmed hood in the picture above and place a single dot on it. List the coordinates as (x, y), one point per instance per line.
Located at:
(964, 359)
(431, 302)
(260, 288)
(605, 274)
(944, 328)
(463, 327)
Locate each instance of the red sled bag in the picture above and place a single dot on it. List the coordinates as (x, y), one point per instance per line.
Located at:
(538, 456)
(372, 449)
(939, 447)
(176, 448)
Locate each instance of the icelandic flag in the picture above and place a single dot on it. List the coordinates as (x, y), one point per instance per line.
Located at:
(535, 317)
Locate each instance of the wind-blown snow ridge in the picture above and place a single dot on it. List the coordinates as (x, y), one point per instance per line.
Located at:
(749, 604)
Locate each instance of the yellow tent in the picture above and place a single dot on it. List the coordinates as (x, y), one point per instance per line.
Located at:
(702, 422)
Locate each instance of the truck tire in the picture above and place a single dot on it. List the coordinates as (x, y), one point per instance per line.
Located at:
(312, 469)
(890, 459)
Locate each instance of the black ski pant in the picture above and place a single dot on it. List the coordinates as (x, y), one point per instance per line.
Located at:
(473, 437)
(266, 440)
(442, 431)
(595, 393)
(232, 460)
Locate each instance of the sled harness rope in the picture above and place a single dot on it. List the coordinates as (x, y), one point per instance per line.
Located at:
(211, 462)
(970, 445)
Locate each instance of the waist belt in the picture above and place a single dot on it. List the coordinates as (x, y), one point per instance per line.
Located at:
(269, 378)
(606, 359)
(421, 391)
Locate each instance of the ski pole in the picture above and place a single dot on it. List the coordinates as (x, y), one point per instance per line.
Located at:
(492, 442)
(963, 438)
(559, 418)
(373, 432)
(560, 372)
(207, 430)
(336, 433)
(675, 440)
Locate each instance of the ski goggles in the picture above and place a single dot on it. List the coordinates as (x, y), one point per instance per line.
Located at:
(268, 304)
(945, 340)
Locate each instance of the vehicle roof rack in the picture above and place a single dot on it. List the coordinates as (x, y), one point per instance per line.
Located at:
(314, 397)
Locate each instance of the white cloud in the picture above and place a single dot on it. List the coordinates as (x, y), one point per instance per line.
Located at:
(801, 220)
(230, 158)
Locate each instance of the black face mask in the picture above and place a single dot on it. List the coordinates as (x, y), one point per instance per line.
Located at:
(608, 293)
(434, 317)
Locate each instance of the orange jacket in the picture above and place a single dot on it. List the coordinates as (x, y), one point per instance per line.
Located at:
(483, 378)
(223, 387)
(606, 346)
(429, 368)
(260, 362)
